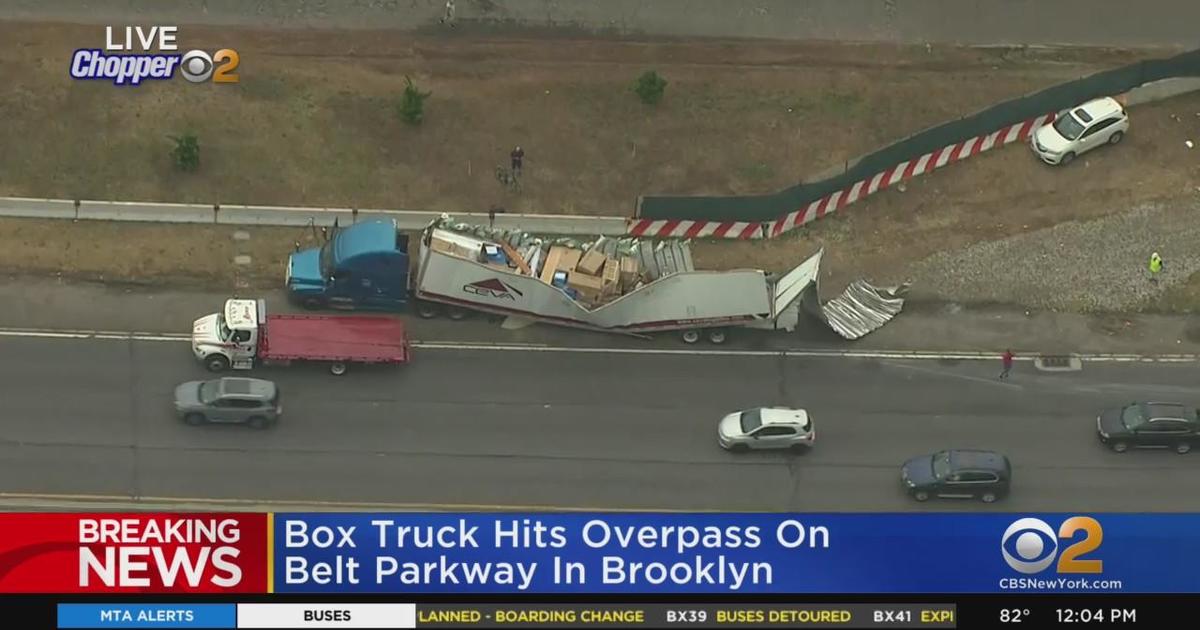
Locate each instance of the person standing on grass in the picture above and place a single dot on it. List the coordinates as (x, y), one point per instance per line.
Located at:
(1006, 360)
(448, 18)
(1156, 267)
(518, 156)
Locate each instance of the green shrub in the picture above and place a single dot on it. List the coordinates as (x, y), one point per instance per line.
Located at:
(412, 104)
(650, 87)
(186, 153)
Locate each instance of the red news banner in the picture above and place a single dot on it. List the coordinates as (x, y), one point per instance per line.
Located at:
(134, 553)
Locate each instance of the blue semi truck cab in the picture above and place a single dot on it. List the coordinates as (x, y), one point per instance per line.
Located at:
(363, 266)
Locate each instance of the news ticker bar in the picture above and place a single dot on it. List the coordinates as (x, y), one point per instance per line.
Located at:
(372, 615)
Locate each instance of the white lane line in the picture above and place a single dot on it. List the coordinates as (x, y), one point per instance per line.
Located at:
(966, 377)
(528, 347)
(22, 500)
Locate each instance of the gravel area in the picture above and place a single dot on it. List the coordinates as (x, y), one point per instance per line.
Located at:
(1092, 266)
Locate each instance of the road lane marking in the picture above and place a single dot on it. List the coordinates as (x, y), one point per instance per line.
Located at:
(22, 500)
(922, 355)
(966, 377)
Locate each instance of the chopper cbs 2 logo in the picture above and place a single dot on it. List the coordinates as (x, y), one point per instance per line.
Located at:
(158, 59)
(1030, 545)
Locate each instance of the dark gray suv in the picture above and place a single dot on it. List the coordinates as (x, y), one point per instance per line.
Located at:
(229, 400)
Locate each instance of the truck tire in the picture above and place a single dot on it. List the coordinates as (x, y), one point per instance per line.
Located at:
(690, 336)
(216, 363)
(337, 368)
(427, 310)
(717, 336)
(455, 313)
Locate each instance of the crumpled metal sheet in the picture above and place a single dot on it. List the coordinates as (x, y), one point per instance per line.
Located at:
(863, 308)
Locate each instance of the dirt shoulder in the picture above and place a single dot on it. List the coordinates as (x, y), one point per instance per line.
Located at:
(313, 123)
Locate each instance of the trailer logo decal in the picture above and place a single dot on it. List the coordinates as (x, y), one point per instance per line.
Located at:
(493, 288)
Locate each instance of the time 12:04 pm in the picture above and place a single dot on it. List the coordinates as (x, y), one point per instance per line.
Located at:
(1096, 615)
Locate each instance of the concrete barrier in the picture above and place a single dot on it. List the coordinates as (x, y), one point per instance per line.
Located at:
(37, 208)
(149, 212)
(536, 223)
(1160, 90)
(282, 216)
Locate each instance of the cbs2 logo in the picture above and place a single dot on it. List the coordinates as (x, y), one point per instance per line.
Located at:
(1030, 545)
(198, 66)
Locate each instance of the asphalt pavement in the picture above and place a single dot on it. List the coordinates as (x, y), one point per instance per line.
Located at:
(605, 431)
(921, 327)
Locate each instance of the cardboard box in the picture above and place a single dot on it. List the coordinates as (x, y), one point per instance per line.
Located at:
(459, 249)
(569, 260)
(589, 287)
(591, 263)
(553, 257)
(630, 270)
(610, 277)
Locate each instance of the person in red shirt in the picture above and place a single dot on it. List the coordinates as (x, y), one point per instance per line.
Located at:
(1006, 360)
(518, 157)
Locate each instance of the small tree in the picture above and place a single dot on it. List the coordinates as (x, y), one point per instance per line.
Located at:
(186, 152)
(412, 104)
(650, 87)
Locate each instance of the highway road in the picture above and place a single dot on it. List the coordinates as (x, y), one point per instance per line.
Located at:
(587, 430)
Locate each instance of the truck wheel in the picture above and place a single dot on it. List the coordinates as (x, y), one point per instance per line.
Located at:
(427, 310)
(455, 313)
(690, 336)
(337, 369)
(216, 363)
(716, 336)
(1183, 447)
(194, 419)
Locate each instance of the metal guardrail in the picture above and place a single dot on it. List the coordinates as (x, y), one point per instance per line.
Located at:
(217, 214)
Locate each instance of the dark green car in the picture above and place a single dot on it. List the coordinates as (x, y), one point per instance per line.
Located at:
(1149, 425)
(958, 474)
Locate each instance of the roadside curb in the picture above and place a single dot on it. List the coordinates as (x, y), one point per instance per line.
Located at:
(914, 355)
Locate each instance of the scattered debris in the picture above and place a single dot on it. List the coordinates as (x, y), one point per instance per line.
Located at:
(597, 272)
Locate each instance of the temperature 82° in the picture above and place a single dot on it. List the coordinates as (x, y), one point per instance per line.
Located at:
(1014, 615)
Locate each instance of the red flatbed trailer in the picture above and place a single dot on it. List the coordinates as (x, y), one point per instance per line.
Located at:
(333, 339)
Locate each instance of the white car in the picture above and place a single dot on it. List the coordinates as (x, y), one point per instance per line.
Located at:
(1093, 124)
(766, 427)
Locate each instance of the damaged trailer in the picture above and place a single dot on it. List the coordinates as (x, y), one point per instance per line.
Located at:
(558, 289)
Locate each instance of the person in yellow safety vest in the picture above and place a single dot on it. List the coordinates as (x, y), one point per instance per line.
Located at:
(1156, 266)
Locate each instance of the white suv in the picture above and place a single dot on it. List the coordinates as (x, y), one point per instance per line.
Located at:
(1095, 123)
(766, 428)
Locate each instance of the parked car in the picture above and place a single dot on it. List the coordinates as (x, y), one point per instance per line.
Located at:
(1079, 130)
(958, 474)
(1149, 425)
(229, 400)
(766, 427)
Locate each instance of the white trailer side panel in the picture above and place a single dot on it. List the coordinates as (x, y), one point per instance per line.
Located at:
(695, 298)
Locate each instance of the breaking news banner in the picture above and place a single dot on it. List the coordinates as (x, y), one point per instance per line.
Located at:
(410, 570)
